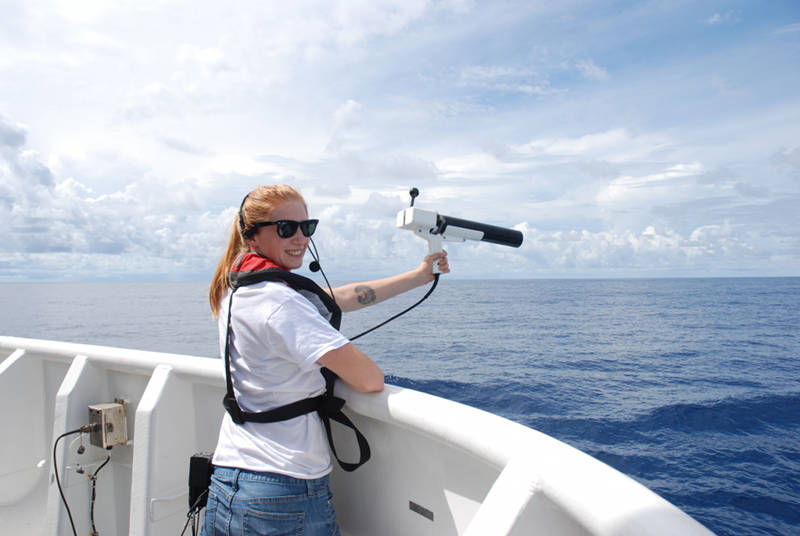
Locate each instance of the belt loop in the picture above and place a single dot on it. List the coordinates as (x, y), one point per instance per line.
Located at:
(236, 473)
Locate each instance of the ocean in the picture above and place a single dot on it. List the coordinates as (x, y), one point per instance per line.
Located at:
(690, 386)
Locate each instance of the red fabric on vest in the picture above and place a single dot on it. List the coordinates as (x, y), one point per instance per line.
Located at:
(253, 261)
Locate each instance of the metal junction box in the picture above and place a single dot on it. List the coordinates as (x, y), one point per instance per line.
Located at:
(109, 423)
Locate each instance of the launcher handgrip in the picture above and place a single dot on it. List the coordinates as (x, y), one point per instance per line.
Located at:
(434, 246)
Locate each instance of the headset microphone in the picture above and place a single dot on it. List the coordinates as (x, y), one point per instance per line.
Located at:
(314, 266)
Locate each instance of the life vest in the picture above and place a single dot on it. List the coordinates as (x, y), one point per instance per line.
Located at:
(249, 270)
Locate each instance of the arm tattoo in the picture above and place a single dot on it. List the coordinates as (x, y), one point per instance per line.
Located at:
(365, 293)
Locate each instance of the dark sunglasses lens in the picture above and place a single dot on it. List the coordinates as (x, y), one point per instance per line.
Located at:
(308, 227)
(287, 228)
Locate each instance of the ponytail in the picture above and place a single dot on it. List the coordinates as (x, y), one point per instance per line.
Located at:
(219, 283)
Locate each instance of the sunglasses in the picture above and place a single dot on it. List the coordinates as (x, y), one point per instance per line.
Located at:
(286, 228)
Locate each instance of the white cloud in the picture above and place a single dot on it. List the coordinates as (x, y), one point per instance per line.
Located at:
(138, 146)
(505, 79)
(788, 156)
(789, 28)
(50, 216)
(345, 119)
(206, 57)
(642, 253)
(729, 17)
(592, 71)
(614, 145)
(475, 166)
(672, 184)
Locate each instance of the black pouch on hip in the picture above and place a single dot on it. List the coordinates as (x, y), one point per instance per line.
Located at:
(200, 469)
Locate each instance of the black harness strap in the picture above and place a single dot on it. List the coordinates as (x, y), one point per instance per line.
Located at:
(328, 406)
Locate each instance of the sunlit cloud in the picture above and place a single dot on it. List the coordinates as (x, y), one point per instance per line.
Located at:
(126, 152)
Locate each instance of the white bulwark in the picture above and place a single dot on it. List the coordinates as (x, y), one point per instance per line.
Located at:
(438, 468)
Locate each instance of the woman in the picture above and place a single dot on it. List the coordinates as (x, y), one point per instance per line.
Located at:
(272, 478)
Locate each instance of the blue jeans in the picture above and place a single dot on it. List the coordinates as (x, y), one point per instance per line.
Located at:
(244, 503)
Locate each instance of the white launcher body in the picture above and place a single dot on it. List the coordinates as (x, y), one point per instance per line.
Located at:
(437, 228)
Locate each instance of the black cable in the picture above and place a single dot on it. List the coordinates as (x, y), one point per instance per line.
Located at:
(93, 478)
(193, 516)
(189, 519)
(58, 481)
(373, 328)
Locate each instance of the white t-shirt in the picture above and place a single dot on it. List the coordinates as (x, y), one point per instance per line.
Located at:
(278, 336)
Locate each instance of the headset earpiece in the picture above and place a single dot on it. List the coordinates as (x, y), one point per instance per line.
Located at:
(245, 233)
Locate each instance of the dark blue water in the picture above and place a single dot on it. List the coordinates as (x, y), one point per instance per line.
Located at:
(690, 386)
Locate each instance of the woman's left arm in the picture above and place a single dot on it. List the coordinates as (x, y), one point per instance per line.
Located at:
(357, 295)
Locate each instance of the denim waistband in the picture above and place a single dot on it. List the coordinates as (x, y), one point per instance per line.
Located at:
(235, 476)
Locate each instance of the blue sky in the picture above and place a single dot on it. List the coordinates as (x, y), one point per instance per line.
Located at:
(625, 139)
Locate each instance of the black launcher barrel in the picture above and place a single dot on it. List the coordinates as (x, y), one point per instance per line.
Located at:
(491, 233)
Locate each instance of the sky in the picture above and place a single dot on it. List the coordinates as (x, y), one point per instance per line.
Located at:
(624, 139)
